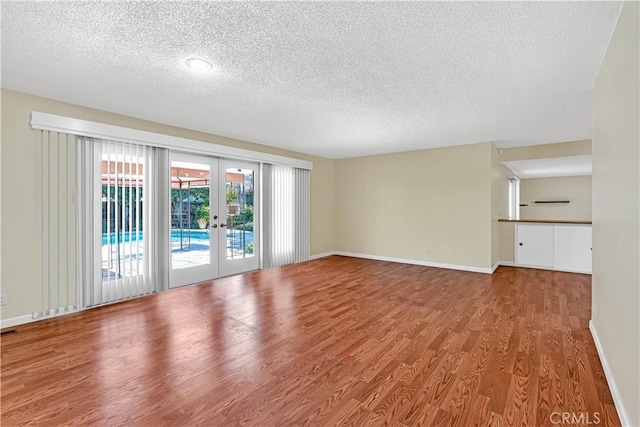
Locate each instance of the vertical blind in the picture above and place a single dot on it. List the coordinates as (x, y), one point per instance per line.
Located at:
(287, 214)
(56, 181)
(123, 192)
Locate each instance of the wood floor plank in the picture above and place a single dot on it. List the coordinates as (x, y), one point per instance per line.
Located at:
(333, 341)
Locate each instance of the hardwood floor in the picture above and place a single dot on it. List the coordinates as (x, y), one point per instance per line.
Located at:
(334, 341)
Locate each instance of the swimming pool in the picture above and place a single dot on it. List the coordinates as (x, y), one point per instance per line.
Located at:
(127, 237)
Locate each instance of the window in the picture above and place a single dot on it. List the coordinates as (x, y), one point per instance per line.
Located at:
(514, 197)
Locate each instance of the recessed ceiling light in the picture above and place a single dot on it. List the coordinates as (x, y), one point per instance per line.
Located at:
(198, 64)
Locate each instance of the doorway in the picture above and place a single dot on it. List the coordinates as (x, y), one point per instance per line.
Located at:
(214, 218)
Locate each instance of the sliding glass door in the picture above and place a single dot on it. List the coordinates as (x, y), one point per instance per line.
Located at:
(122, 260)
(122, 249)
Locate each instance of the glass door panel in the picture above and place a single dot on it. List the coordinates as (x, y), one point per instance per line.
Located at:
(238, 199)
(194, 233)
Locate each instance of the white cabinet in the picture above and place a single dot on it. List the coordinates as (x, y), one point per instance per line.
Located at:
(572, 248)
(554, 246)
(534, 245)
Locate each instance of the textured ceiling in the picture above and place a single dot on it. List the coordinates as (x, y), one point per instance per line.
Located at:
(333, 79)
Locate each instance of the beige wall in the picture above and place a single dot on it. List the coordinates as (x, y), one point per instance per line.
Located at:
(20, 242)
(507, 241)
(616, 210)
(576, 189)
(543, 151)
(430, 205)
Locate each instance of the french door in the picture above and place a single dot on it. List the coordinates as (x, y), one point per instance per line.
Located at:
(239, 217)
(193, 199)
(213, 206)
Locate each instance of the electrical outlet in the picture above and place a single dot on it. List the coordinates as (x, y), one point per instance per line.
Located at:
(428, 252)
(3, 299)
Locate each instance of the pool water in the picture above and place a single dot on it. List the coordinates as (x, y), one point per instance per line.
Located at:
(127, 237)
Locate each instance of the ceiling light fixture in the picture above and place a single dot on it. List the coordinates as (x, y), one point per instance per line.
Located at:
(198, 64)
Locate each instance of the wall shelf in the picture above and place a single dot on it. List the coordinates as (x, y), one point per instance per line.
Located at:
(538, 202)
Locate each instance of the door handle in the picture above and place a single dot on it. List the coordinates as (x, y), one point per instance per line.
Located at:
(214, 226)
(222, 224)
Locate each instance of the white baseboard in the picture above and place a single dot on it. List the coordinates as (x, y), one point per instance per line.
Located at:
(322, 255)
(564, 270)
(419, 262)
(615, 393)
(502, 264)
(441, 265)
(35, 317)
(572, 270)
(15, 321)
(473, 269)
